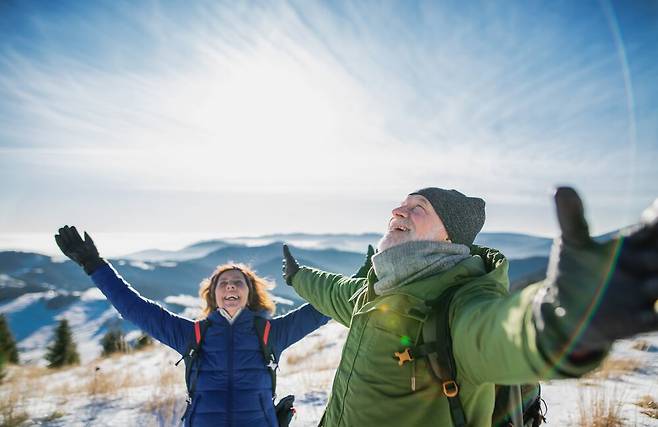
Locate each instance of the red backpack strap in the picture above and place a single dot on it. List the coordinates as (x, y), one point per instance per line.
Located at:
(190, 356)
(263, 327)
(197, 332)
(266, 332)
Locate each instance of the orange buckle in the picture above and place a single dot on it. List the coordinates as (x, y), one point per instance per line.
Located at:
(405, 356)
(450, 388)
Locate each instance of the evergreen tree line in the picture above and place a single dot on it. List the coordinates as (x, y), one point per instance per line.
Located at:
(8, 351)
(63, 350)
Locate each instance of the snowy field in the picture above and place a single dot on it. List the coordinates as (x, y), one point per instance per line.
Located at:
(145, 389)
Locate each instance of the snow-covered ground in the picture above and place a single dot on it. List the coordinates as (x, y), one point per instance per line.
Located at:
(146, 389)
(629, 373)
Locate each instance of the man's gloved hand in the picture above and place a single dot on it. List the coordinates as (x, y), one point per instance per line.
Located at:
(367, 264)
(290, 265)
(597, 293)
(82, 252)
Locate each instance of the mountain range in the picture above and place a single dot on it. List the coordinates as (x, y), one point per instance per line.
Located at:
(36, 290)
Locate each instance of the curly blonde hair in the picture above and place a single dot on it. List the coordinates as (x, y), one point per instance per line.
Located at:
(259, 299)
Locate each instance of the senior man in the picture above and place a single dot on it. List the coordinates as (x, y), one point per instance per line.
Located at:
(563, 327)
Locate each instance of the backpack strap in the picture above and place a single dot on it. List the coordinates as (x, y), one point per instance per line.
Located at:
(190, 356)
(262, 327)
(437, 347)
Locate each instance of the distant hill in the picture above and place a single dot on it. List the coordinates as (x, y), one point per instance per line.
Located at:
(36, 290)
(23, 272)
(515, 245)
(523, 272)
(342, 242)
(196, 250)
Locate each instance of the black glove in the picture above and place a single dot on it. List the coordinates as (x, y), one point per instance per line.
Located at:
(290, 265)
(363, 271)
(83, 253)
(597, 293)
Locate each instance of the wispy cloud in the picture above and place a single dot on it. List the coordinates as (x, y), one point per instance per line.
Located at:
(302, 97)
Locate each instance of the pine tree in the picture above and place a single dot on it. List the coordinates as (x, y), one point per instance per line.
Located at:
(114, 341)
(2, 366)
(142, 341)
(63, 350)
(7, 342)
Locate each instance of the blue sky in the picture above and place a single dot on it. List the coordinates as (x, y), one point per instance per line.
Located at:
(258, 117)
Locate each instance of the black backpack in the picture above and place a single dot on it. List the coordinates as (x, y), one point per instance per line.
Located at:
(515, 405)
(284, 409)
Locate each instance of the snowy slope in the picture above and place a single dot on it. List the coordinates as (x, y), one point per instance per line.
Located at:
(145, 389)
(33, 316)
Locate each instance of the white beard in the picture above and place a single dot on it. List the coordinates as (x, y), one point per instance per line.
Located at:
(394, 238)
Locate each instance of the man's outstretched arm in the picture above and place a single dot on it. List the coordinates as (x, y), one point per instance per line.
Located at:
(594, 294)
(331, 294)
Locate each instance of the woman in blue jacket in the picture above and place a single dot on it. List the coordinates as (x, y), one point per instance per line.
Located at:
(234, 385)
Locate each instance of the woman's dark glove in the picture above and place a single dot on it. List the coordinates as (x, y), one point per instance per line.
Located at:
(596, 293)
(290, 265)
(82, 252)
(367, 264)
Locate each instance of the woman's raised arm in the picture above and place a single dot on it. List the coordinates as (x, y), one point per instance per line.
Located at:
(163, 325)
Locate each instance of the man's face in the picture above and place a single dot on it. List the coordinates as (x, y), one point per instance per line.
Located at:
(415, 219)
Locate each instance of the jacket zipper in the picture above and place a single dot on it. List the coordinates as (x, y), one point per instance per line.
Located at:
(413, 375)
(230, 377)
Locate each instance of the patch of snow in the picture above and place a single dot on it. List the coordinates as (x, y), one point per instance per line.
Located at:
(191, 312)
(92, 294)
(184, 300)
(168, 264)
(141, 265)
(22, 301)
(281, 300)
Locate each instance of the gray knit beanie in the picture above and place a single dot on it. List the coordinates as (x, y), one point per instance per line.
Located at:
(462, 216)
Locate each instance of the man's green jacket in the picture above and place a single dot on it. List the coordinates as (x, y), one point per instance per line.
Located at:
(493, 333)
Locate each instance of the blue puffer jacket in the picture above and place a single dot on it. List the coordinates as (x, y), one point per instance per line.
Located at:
(234, 387)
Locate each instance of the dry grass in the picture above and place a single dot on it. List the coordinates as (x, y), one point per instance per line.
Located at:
(166, 410)
(95, 381)
(649, 406)
(599, 409)
(52, 416)
(615, 367)
(311, 381)
(296, 357)
(99, 380)
(170, 376)
(11, 413)
(29, 378)
(110, 382)
(167, 400)
(641, 345)
(22, 373)
(40, 381)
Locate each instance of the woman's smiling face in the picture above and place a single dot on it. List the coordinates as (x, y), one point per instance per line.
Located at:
(231, 291)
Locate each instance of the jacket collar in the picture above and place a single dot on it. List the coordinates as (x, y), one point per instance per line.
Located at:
(245, 315)
(484, 263)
